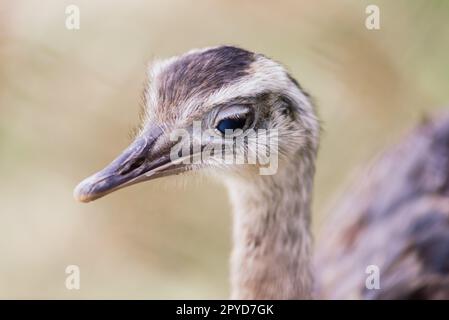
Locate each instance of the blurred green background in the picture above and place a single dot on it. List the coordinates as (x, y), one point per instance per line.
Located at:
(68, 100)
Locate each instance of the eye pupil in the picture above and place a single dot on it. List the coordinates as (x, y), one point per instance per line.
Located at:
(231, 124)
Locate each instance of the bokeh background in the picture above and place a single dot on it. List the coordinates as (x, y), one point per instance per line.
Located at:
(68, 100)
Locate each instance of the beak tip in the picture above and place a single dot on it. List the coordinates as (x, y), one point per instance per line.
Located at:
(80, 193)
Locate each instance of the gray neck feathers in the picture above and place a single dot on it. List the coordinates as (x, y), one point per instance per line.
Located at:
(272, 240)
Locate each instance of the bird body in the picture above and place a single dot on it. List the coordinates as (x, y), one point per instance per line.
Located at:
(395, 216)
(231, 89)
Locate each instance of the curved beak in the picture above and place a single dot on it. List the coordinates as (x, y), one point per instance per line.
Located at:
(139, 162)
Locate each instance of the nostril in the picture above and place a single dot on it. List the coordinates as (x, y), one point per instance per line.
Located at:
(132, 165)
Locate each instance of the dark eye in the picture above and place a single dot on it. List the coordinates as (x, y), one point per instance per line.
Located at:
(231, 124)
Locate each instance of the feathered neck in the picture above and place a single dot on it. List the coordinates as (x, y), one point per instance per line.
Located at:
(271, 235)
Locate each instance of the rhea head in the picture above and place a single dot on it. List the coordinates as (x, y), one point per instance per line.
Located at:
(225, 89)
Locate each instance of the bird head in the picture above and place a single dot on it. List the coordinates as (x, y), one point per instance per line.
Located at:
(226, 108)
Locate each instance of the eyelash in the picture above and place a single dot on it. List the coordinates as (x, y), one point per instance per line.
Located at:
(233, 116)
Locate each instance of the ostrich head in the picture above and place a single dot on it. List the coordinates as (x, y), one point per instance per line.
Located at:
(206, 105)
